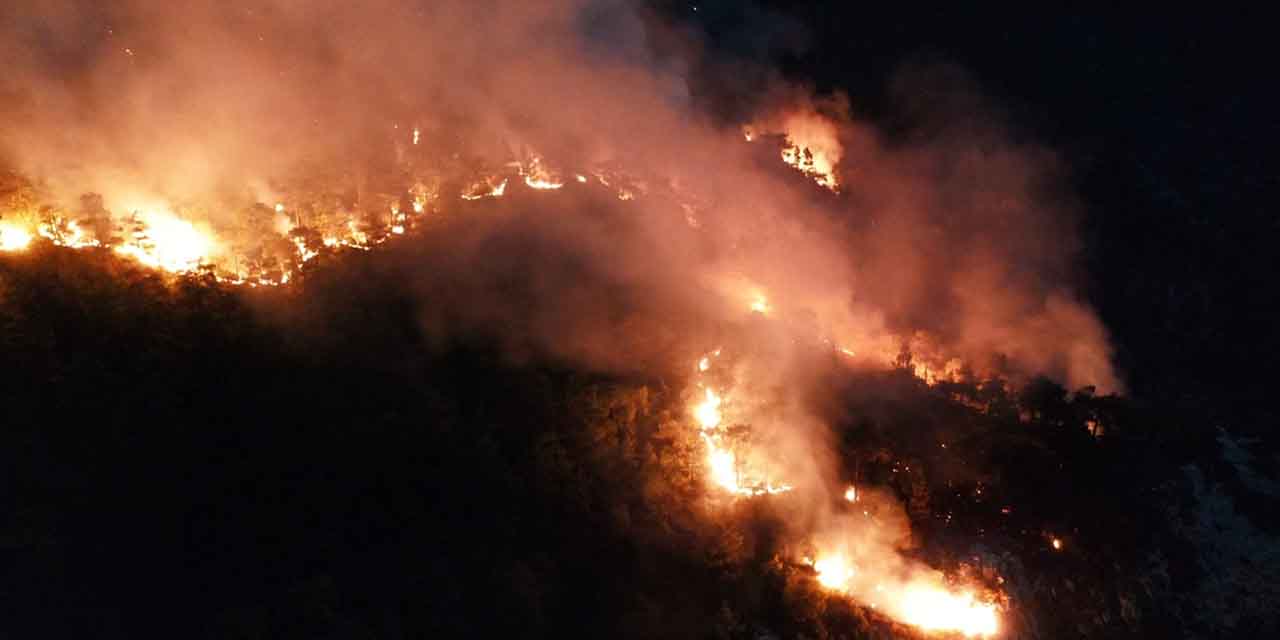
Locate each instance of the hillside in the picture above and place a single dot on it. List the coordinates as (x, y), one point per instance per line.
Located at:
(184, 458)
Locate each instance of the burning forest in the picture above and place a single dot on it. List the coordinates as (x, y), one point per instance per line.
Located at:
(452, 318)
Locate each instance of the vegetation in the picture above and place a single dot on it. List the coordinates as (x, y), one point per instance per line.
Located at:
(184, 459)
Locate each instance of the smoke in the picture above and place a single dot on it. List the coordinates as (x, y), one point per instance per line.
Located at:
(956, 243)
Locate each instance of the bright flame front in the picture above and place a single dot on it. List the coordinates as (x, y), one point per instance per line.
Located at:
(163, 241)
(834, 572)
(935, 609)
(724, 468)
(14, 238)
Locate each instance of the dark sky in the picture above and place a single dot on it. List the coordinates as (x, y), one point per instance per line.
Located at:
(1167, 120)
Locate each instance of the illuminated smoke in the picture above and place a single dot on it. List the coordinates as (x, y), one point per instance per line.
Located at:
(954, 250)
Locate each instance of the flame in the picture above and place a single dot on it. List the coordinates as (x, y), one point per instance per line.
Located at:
(485, 189)
(949, 372)
(67, 233)
(708, 411)
(835, 572)
(921, 601)
(540, 183)
(760, 304)
(305, 253)
(417, 134)
(1057, 544)
(13, 238)
(538, 176)
(851, 494)
(163, 241)
(935, 609)
(724, 468)
(813, 147)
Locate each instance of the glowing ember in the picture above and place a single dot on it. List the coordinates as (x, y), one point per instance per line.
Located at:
(704, 364)
(851, 494)
(417, 207)
(279, 207)
(13, 238)
(1057, 544)
(416, 136)
(305, 253)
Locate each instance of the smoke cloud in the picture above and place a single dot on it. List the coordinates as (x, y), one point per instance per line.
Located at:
(959, 234)
(956, 244)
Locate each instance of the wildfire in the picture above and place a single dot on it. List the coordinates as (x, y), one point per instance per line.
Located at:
(951, 371)
(13, 238)
(813, 147)
(162, 241)
(538, 176)
(67, 233)
(485, 189)
(760, 305)
(936, 609)
(724, 468)
(921, 602)
(708, 411)
(834, 572)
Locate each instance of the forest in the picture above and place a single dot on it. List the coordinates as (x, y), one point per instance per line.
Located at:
(189, 458)
(600, 318)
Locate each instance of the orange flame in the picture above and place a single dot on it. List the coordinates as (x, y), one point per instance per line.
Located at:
(163, 241)
(724, 467)
(14, 238)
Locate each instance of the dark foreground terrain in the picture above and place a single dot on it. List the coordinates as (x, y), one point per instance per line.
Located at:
(182, 459)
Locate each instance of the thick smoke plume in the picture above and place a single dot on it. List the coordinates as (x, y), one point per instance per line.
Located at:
(961, 235)
(956, 246)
